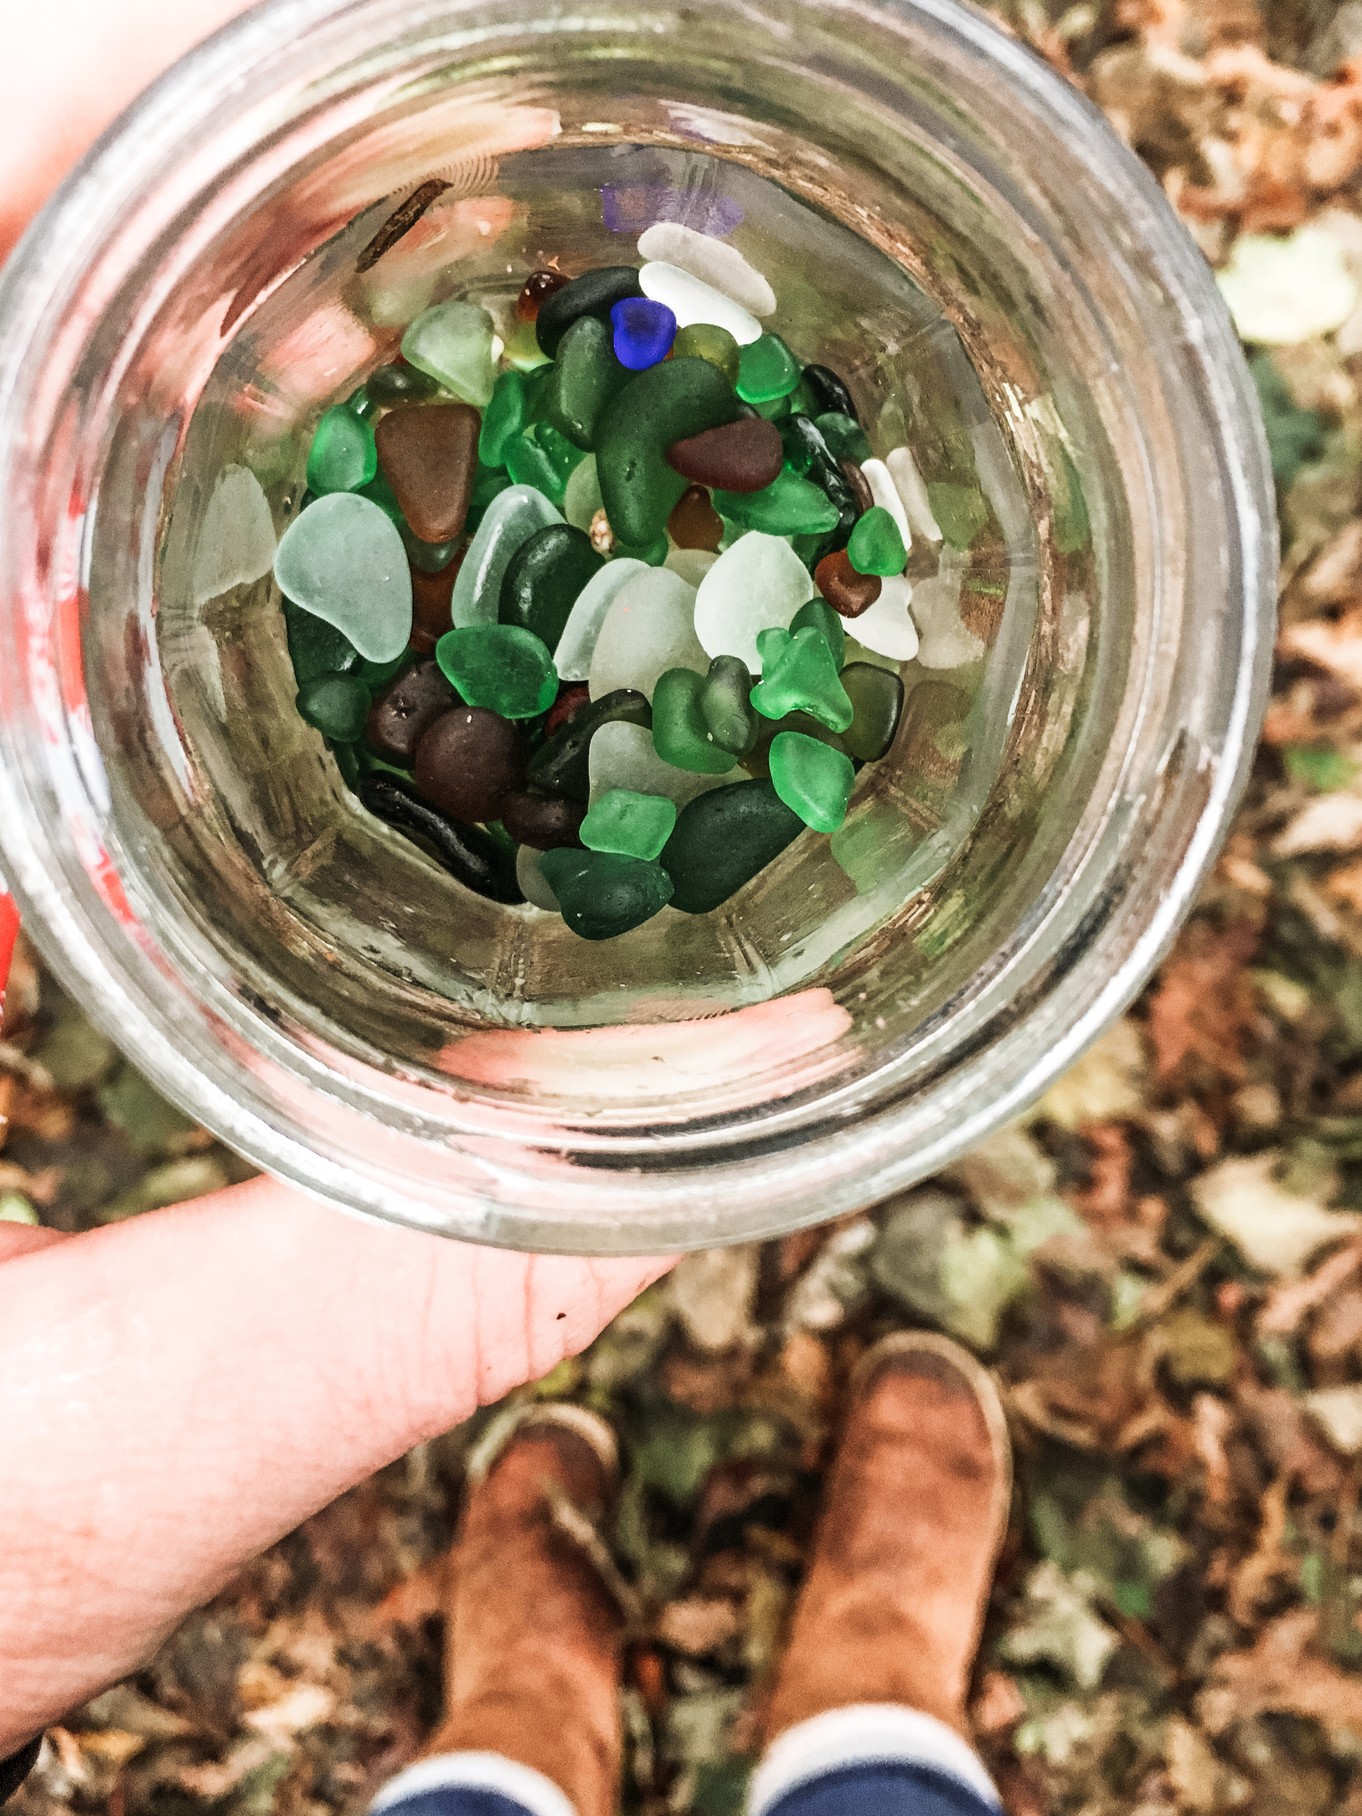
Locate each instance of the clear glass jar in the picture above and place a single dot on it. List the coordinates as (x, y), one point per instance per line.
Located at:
(945, 220)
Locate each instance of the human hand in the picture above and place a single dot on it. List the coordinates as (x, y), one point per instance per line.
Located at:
(178, 1391)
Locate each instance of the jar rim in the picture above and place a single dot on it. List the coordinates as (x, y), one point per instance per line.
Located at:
(784, 1173)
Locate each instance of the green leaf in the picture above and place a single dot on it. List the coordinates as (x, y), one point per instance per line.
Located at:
(1294, 436)
(1319, 767)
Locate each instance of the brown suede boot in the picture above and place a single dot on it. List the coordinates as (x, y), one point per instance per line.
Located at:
(532, 1661)
(913, 1518)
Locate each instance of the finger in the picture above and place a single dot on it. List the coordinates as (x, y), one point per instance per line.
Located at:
(180, 1390)
(70, 68)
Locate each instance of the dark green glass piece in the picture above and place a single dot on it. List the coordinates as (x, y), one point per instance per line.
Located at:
(399, 383)
(828, 391)
(336, 705)
(844, 435)
(665, 404)
(593, 293)
(379, 492)
(876, 696)
(561, 764)
(315, 647)
(725, 705)
(602, 894)
(586, 377)
(680, 735)
(429, 557)
(545, 577)
(722, 839)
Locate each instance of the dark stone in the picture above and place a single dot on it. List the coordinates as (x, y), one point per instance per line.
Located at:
(543, 821)
(471, 856)
(594, 293)
(468, 761)
(405, 710)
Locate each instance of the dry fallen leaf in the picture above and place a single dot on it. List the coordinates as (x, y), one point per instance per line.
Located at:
(1338, 1413)
(1279, 1674)
(1276, 1231)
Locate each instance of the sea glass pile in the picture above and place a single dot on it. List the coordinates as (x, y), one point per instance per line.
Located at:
(608, 614)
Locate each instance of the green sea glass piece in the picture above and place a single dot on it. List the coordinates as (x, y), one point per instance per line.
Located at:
(961, 511)
(562, 764)
(844, 435)
(813, 779)
(820, 615)
(767, 370)
(503, 419)
(725, 705)
(602, 894)
(342, 559)
(343, 456)
(379, 492)
(585, 377)
(790, 507)
(876, 544)
(315, 647)
(452, 343)
(502, 667)
(540, 457)
(708, 341)
(545, 578)
(634, 825)
(398, 383)
(680, 735)
(723, 838)
(582, 494)
(803, 678)
(337, 705)
(876, 696)
(667, 403)
(511, 518)
(653, 555)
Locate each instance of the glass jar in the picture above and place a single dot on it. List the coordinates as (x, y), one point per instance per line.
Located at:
(947, 223)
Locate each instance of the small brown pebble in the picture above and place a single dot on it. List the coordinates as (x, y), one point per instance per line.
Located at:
(431, 598)
(428, 454)
(405, 710)
(539, 286)
(695, 524)
(860, 486)
(468, 762)
(572, 697)
(602, 536)
(845, 590)
(542, 821)
(742, 456)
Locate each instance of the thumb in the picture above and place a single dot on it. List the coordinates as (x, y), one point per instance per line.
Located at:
(214, 1374)
(70, 67)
